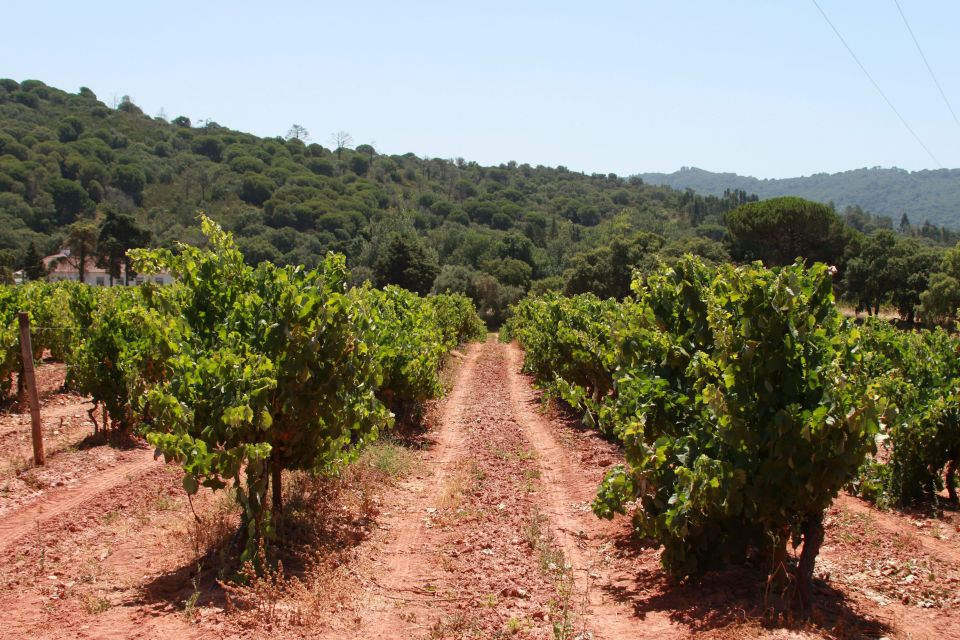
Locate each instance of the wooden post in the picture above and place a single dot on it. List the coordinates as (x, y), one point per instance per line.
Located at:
(30, 384)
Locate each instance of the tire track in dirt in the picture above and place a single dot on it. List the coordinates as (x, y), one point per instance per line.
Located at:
(569, 490)
(893, 525)
(56, 503)
(404, 557)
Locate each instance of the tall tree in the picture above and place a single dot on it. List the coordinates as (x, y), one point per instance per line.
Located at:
(119, 232)
(779, 230)
(341, 139)
(82, 242)
(407, 263)
(33, 266)
(298, 132)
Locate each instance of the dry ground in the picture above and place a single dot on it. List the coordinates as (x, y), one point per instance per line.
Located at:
(479, 527)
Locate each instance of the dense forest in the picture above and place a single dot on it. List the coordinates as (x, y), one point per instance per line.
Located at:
(926, 197)
(99, 180)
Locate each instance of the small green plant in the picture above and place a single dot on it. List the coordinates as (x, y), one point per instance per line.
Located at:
(190, 604)
(95, 604)
(389, 459)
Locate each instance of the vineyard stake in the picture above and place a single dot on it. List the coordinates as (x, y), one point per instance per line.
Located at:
(30, 385)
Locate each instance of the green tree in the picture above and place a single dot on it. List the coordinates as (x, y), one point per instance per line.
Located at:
(608, 270)
(32, 262)
(130, 179)
(405, 262)
(359, 164)
(82, 242)
(940, 302)
(779, 230)
(209, 146)
(70, 129)
(70, 199)
(119, 232)
(256, 189)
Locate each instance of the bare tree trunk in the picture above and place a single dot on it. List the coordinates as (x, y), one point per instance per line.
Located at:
(277, 503)
(951, 477)
(812, 540)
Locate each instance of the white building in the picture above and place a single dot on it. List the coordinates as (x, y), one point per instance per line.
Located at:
(63, 266)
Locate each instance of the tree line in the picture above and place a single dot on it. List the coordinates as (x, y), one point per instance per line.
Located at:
(99, 180)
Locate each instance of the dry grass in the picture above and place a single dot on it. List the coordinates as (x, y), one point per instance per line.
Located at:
(305, 576)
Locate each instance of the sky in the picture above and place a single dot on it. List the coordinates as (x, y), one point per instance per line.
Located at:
(756, 87)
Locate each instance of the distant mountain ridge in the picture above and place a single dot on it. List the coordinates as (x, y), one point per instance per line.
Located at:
(932, 195)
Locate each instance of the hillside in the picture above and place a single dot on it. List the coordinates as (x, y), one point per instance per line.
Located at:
(922, 195)
(490, 231)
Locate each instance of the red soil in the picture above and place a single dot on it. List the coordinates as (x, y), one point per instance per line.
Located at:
(490, 537)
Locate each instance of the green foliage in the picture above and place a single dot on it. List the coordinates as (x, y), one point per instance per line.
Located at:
(918, 372)
(122, 354)
(607, 271)
(131, 180)
(59, 313)
(780, 230)
(240, 372)
(273, 370)
(941, 301)
(291, 203)
(119, 233)
(730, 393)
(927, 195)
(256, 189)
(569, 347)
(406, 262)
(889, 269)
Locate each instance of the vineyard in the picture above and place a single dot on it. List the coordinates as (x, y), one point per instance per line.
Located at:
(239, 373)
(756, 460)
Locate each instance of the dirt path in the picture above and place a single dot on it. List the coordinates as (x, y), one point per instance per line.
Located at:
(484, 541)
(490, 536)
(57, 502)
(891, 524)
(569, 489)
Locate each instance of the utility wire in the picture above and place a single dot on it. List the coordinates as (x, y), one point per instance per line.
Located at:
(943, 94)
(876, 86)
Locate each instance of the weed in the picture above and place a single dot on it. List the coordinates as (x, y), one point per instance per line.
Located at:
(520, 455)
(451, 494)
(389, 459)
(163, 502)
(457, 626)
(553, 563)
(530, 477)
(95, 604)
(190, 604)
(259, 594)
(516, 625)
(32, 481)
(479, 475)
(490, 600)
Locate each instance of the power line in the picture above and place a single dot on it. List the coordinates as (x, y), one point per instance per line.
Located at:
(877, 86)
(943, 94)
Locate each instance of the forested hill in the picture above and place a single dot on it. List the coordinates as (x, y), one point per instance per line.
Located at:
(922, 195)
(99, 180)
(74, 170)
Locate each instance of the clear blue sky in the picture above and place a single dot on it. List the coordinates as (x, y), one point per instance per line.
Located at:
(759, 87)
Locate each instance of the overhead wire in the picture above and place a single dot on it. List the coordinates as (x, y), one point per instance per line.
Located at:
(923, 56)
(876, 85)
